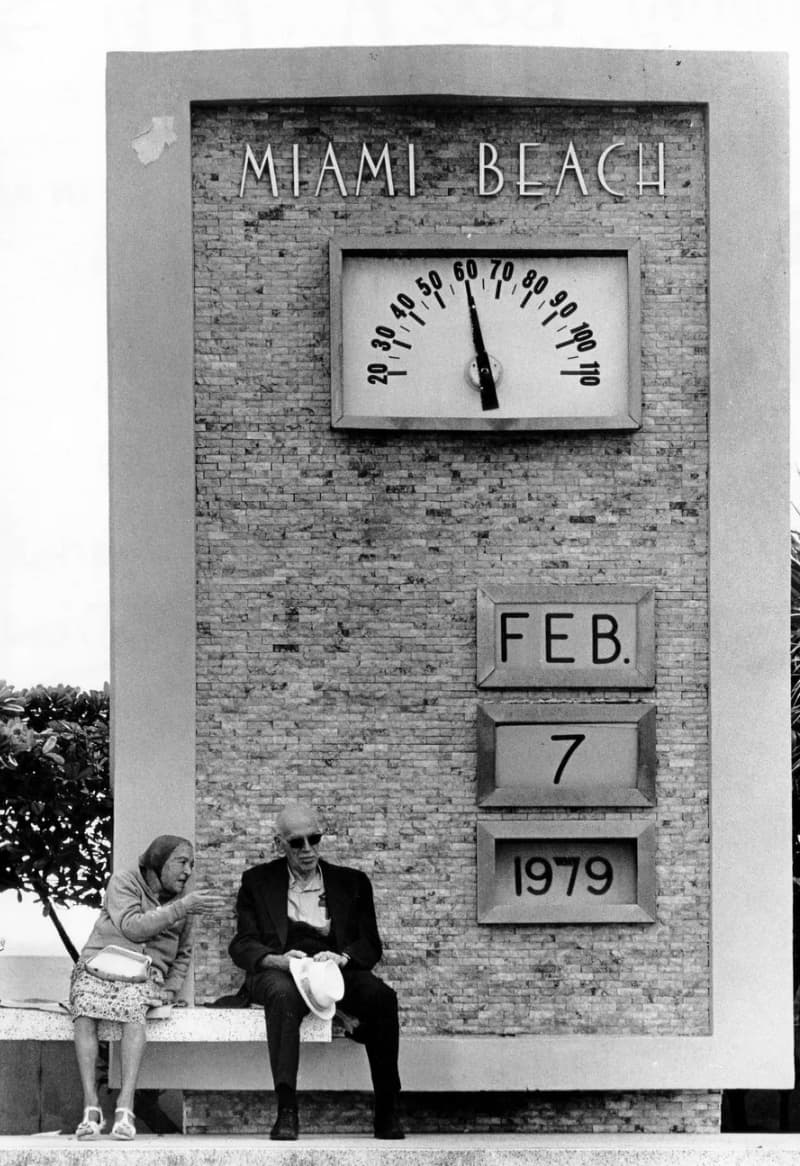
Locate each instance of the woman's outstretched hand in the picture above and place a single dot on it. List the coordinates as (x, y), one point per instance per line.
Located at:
(206, 903)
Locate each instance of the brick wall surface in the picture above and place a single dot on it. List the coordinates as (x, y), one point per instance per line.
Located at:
(337, 570)
(471, 1113)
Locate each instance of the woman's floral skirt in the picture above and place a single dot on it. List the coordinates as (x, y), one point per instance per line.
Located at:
(112, 999)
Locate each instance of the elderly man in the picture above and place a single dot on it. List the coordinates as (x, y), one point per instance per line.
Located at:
(300, 905)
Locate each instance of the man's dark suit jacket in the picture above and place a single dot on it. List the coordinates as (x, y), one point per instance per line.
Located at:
(263, 924)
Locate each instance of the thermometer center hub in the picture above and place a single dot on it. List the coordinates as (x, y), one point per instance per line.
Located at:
(473, 376)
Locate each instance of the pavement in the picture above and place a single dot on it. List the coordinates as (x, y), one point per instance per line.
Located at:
(417, 1150)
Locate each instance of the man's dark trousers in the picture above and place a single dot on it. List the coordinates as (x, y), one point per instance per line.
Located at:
(366, 997)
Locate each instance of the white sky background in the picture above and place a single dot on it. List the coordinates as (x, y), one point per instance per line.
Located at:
(53, 416)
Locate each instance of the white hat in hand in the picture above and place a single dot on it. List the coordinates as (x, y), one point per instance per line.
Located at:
(320, 984)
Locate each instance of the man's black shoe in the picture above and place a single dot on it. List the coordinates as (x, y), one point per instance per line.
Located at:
(287, 1126)
(387, 1122)
(389, 1129)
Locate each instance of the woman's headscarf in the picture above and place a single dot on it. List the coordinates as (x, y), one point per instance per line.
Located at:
(159, 851)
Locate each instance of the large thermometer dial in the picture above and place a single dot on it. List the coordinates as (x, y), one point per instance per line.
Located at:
(461, 333)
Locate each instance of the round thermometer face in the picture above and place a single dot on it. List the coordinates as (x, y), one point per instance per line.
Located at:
(496, 337)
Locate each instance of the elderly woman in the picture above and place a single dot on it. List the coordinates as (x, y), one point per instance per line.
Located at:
(145, 911)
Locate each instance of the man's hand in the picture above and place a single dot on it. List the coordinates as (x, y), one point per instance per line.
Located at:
(280, 962)
(339, 960)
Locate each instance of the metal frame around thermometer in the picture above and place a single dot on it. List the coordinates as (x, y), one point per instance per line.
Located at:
(485, 333)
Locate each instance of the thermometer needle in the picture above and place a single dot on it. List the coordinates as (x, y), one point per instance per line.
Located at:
(488, 390)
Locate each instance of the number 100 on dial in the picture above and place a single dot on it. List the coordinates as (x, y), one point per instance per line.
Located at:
(481, 333)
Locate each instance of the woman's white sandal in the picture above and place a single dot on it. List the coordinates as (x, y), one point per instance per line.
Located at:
(124, 1127)
(88, 1128)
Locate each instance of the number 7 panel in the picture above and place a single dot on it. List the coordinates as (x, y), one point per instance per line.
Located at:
(566, 754)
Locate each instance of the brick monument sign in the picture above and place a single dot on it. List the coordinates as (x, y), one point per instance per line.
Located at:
(449, 412)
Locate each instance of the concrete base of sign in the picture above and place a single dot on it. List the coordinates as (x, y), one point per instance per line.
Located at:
(419, 1150)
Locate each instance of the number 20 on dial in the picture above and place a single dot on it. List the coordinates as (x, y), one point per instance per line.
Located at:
(478, 333)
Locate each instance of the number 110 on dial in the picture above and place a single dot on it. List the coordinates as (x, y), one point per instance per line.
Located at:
(481, 333)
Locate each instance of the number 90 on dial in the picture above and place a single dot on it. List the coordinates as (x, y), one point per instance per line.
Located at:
(566, 872)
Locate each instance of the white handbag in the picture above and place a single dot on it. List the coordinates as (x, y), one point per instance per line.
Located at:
(119, 963)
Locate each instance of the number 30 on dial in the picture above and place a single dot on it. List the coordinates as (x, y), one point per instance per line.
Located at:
(485, 333)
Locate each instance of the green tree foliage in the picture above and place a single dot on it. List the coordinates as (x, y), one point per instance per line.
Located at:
(55, 797)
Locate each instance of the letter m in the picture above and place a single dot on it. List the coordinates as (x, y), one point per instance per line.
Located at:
(374, 167)
(250, 162)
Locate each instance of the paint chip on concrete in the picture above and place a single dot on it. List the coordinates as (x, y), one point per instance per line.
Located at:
(151, 143)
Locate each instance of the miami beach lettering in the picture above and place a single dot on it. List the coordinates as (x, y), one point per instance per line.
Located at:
(394, 172)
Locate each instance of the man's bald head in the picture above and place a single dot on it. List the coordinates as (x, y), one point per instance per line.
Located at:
(297, 818)
(297, 836)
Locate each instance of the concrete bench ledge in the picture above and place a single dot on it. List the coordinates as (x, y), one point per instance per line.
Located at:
(185, 1025)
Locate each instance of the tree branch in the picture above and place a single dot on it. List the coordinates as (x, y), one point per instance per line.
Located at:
(41, 891)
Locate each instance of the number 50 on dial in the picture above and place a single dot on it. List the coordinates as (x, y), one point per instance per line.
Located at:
(480, 332)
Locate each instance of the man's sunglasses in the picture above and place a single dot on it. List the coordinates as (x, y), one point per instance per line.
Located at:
(311, 839)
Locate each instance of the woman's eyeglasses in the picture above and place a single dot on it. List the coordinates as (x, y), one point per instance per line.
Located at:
(298, 843)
